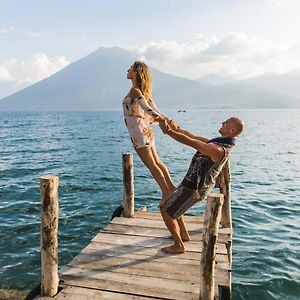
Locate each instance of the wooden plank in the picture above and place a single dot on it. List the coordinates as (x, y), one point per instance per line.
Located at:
(95, 255)
(109, 249)
(157, 216)
(147, 231)
(153, 228)
(188, 219)
(78, 293)
(152, 242)
(156, 223)
(131, 284)
(136, 267)
(144, 266)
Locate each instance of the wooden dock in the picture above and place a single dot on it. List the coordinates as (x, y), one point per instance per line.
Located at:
(124, 261)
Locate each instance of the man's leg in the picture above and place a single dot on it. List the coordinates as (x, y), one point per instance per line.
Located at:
(172, 226)
(183, 230)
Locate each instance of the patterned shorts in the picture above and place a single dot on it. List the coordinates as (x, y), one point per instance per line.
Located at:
(180, 201)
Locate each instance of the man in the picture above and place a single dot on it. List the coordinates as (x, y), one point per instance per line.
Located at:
(205, 166)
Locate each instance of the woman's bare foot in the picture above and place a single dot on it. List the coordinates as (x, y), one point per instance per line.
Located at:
(185, 236)
(175, 249)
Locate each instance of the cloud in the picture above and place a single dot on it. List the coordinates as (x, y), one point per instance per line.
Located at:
(26, 33)
(7, 30)
(284, 3)
(236, 55)
(17, 74)
(4, 74)
(231, 44)
(36, 34)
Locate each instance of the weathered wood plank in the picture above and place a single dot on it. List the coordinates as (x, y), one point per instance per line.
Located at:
(147, 231)
(144, 267)
(118, 225)
(109, 249)
(153, 242)
(157, 216)
(91, 255)
(131, 284)
(78, 293)
(150, 223)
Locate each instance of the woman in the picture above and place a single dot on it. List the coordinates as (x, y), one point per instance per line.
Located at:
(139, 112)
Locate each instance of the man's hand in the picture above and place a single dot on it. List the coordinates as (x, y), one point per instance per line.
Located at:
(164, 126)
(173, 125)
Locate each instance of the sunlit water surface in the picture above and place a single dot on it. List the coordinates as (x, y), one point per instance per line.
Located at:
(84, 149)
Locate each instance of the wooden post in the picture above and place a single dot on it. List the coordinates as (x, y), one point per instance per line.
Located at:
(225, 189)
(128, 185)
(49, 228)
(211, 228)
(226, 219)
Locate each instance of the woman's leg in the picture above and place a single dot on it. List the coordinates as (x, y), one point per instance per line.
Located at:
(164, 169)
(147, 158)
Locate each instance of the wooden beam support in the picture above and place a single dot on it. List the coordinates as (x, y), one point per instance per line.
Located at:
(49, 240)
(211, 228)
(128, 185)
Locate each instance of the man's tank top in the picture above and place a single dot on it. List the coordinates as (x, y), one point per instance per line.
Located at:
(203, 172)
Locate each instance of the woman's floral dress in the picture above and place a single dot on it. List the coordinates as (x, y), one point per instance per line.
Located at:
(139, 114)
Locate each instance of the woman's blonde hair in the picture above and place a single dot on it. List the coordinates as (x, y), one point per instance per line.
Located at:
(143, 78)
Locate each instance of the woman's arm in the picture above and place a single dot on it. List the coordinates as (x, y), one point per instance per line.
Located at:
(155, 108)
(153, 112)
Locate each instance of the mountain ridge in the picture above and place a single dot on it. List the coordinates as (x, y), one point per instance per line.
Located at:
(98, 82)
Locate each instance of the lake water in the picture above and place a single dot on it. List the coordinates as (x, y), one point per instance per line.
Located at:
(84, 149)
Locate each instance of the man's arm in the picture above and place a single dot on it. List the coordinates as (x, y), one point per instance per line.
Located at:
(175, 127)
(192, 136)
(215, 152)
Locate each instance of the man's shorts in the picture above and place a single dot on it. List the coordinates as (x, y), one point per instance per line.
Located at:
(180, 201)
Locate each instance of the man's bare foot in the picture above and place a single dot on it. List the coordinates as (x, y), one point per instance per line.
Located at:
(185, 236)
(175, 249)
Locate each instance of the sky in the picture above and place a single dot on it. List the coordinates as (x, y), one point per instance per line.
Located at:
(238, 39)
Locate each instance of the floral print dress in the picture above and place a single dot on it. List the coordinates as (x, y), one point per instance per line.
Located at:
(138, 115)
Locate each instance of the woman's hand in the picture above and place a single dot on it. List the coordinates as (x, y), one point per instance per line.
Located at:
(160, 119)
(164, 126)
(173, 125)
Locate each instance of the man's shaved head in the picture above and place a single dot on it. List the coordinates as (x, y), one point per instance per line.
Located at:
(239, 124)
